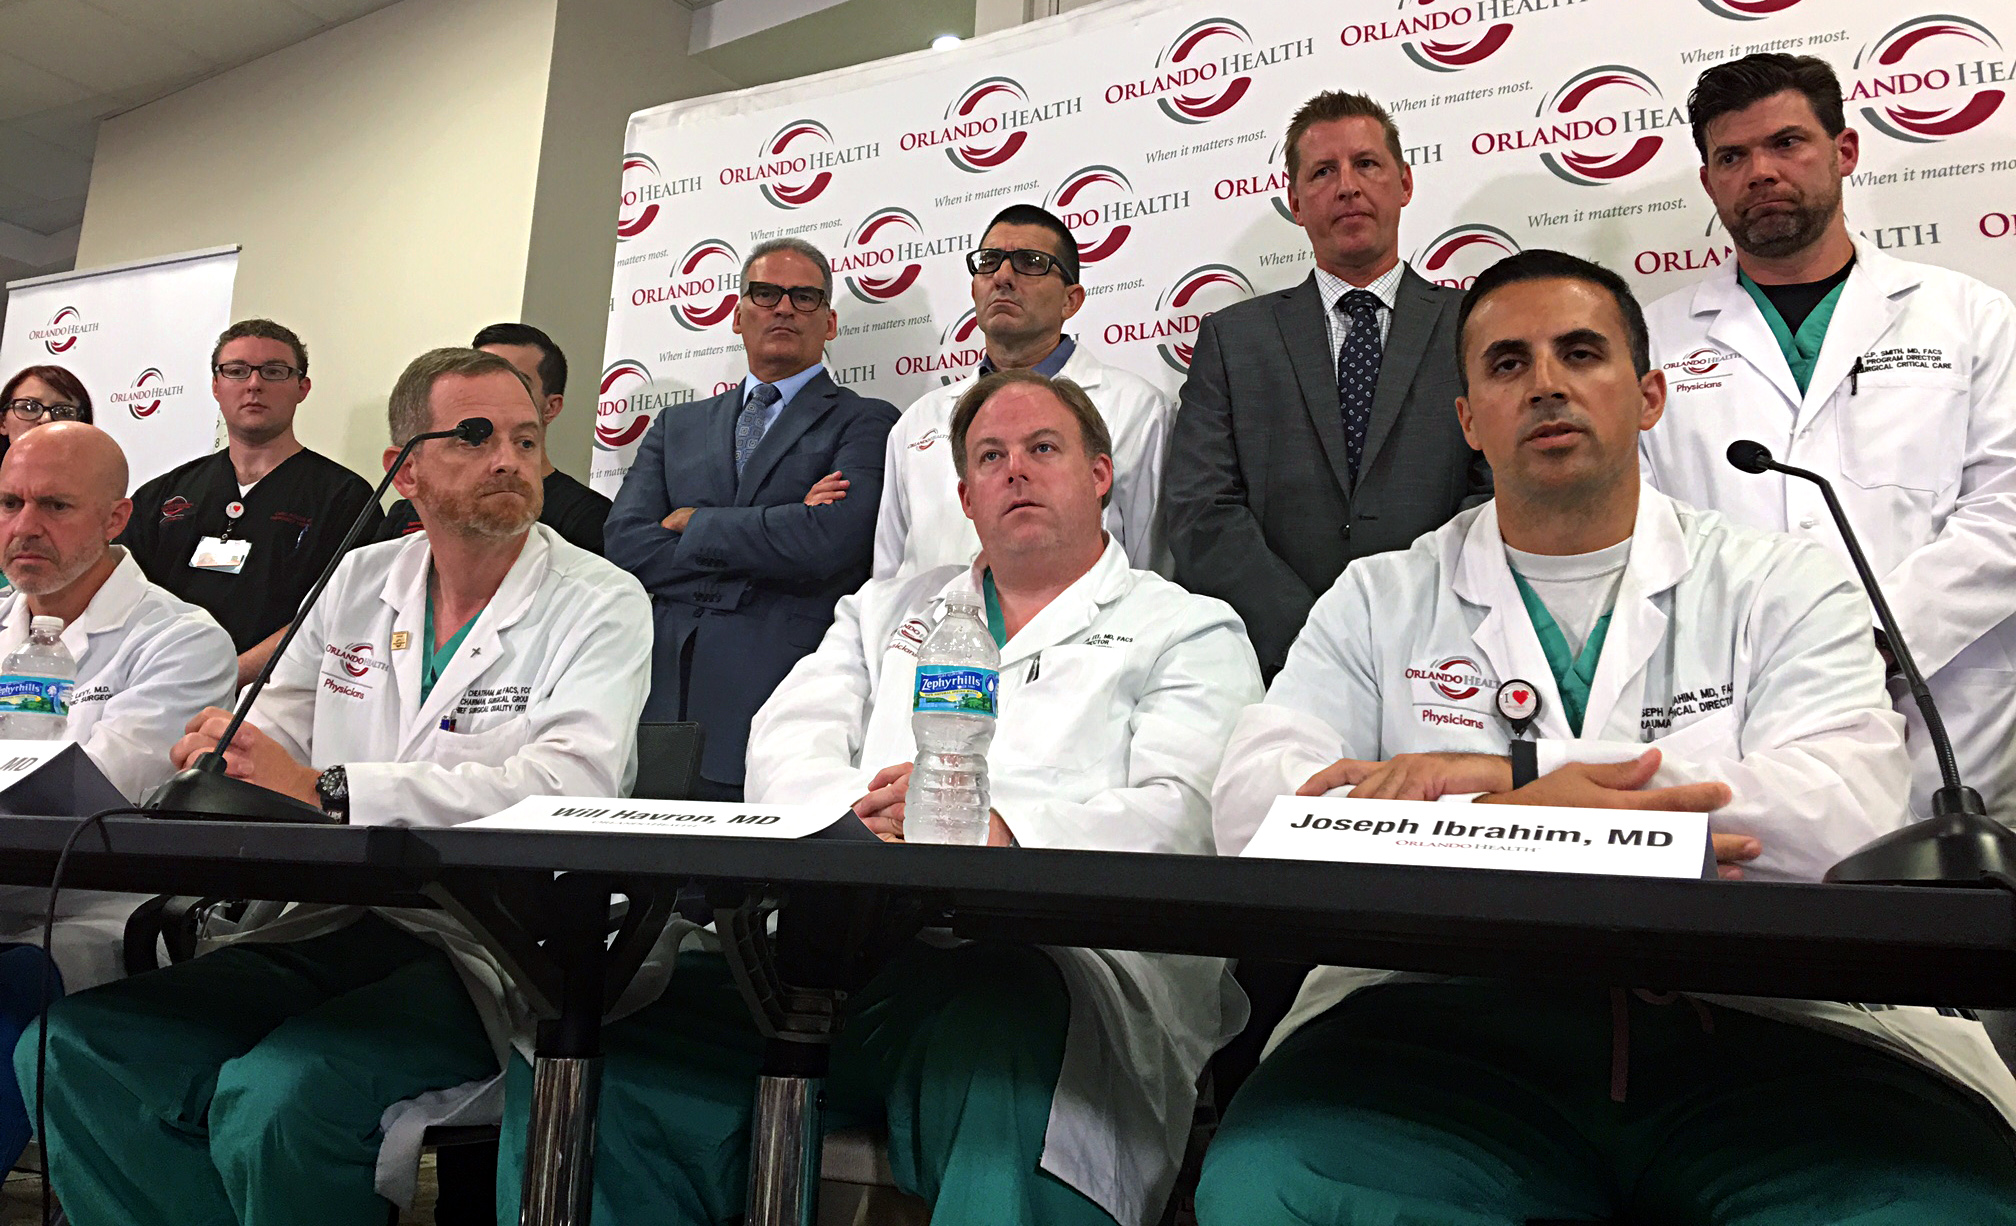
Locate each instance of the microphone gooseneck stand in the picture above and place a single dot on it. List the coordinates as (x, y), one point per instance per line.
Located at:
(1959, 843)
(204, 791)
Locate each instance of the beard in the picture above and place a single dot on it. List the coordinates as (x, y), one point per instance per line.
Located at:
(1777, 235)
(476, 512)
(65, 572)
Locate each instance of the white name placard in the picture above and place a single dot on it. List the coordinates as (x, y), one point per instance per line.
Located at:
(19, 759)
(1604, 842)
(609, 814)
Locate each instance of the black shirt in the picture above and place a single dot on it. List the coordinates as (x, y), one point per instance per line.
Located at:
(294, 517)
(1796, 302)
(572, 509)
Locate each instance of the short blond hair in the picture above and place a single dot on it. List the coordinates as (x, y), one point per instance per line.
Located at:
(1092, 431)
(410, 410)
(1333, 105)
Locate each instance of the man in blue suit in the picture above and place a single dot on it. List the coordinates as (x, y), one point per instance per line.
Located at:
(749, 515)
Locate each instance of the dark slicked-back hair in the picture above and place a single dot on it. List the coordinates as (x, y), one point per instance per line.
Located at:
(265, 330)
(1336, 104)
(1541, 264)
(58, 377)
(552, 362)
(1740, 84)
(1032, 215)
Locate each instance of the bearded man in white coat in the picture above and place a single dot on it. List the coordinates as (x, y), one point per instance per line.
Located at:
(1019, 1087)
(1681, 662)
(1025, 288)
(447, 676)
(1894, 380)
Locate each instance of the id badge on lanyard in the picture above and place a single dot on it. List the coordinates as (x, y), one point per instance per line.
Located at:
(222, 554)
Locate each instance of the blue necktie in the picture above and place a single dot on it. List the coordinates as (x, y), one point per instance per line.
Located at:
(749, 425)
(1358, 371)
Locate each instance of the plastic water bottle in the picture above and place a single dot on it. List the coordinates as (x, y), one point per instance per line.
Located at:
(35, 685)
(958, 682)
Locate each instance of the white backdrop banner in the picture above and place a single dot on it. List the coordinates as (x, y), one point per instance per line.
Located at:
(139, 336)
(1154, 129)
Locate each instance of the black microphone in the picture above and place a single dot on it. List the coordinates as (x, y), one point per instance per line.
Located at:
(204, 791)
(1959, 842)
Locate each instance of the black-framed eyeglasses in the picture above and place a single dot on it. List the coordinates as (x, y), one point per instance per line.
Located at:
(806, 298)
(35, 410)
(1026, 260)
(269, 372)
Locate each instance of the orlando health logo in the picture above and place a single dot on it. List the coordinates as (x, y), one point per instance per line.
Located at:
(144, 398)
(1181, 310)
(960, 349)
(1455, 256)
(356, 658)
(704, 288)
(795, 165)
(63, 329)
(644, 187)
(1602, 125)
(1206, 70)
(616, 426)
(988, 123)
(1456, 678)
(1947, 59)
(1463, 34)
(1747, 10)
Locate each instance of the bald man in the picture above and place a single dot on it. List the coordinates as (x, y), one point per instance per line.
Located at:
(147, 662)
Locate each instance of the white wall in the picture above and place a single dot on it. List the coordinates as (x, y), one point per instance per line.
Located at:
(381, 178)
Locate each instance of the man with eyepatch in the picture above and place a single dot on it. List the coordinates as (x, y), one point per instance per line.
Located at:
(749, 515)
(1025, 288)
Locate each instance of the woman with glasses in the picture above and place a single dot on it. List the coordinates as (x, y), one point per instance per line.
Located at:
(40, 394)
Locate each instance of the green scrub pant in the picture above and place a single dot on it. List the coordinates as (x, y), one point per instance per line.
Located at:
(956, 1052)
(1488, 1104)
(244, 1088)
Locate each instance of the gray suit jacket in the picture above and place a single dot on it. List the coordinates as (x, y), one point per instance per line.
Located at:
(750, 586)
(1258, 493)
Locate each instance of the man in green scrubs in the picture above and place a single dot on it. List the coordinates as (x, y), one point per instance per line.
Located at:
(1680, 662)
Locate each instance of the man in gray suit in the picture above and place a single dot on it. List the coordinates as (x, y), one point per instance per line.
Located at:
(1319, 424)
(749, 515)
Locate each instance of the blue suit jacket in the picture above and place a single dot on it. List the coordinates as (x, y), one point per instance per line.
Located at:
(749, 587)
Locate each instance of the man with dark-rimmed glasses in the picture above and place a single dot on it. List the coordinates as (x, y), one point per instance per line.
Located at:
(1025, 287)
(243, 532)
(745, 553)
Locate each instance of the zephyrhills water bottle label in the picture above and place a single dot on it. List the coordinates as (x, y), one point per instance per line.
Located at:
(34, 696)
(956, 689)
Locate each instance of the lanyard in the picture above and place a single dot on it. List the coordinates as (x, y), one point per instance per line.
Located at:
(997, 625)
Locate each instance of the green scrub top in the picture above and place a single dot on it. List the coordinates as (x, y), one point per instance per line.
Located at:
(997, 625)
(1572, 674)
(435, 662)
(1801, 348)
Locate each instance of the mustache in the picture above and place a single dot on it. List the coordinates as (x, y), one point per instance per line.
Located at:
(505, 485)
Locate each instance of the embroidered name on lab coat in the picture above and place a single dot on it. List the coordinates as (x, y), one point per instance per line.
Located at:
(510, 699)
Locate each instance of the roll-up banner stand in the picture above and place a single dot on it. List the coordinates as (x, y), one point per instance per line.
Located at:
(1154, 129)
(139, 336)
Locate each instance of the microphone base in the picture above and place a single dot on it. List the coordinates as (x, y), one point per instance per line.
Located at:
(1959, 845)
(203, 795)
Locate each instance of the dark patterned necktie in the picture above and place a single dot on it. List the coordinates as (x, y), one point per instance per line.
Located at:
(749, 425)
(1358, 370)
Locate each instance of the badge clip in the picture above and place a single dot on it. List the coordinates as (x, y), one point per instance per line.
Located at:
(1519, 702)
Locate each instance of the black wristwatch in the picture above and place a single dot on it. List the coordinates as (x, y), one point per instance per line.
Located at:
(332, 788)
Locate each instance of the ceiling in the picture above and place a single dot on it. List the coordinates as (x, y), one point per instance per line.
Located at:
(66, 64)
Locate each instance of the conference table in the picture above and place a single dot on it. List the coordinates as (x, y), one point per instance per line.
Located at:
(542, 903)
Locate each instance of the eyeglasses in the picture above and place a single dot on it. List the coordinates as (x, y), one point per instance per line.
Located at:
(35, 410)
(803, 297)
(269, 372)
(1026, 260)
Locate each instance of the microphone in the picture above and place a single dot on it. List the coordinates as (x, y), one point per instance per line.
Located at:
(1959, 842)
(204, 791)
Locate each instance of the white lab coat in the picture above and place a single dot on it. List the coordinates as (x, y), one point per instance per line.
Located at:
(1115, 703)
(921, 526)
(1920, 447)
(1745, 656)
(147, 663)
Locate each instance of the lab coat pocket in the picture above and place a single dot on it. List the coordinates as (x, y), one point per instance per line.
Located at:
(490, 747)
(1714, 735)
(1060, 721)
(1904, 428)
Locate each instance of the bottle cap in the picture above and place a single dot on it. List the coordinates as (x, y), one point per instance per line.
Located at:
(962, 600)
(46, 625)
